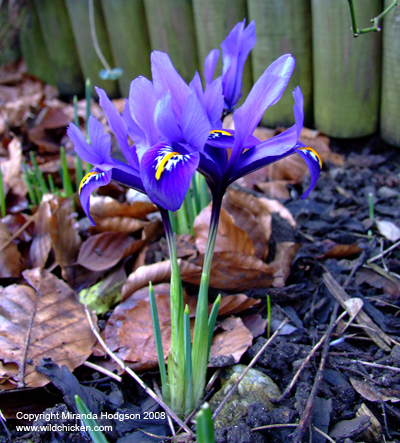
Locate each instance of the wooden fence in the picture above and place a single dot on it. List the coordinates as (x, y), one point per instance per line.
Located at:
(351, 86)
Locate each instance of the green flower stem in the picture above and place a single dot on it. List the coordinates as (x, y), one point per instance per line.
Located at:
(200, 336)
(158, 340)
(211, 322)
(182, 219)
(176, 357)
(189, 210)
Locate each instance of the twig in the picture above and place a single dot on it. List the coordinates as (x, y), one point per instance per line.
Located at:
(104, 371)
(292, 425)
(375, 20)
(251, 364)
(306, 360)
(298, 433)
(360, 261)
(376, 365)
(149, 391)
(382, 254)
(16, 233)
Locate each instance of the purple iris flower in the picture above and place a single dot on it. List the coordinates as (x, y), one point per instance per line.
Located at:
(235, 50)
(98, 153)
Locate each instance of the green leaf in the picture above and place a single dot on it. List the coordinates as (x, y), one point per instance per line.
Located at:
(97, 436)
(204, 425)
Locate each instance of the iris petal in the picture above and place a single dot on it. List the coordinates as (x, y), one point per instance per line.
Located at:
(209, 65)
(314, 164)
(89, 183)
(167, 180)
(166, 120)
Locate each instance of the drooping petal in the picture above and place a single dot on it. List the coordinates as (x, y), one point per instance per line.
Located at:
(116, 123)
(165, 119)
(314, 163)
(225, 138)
(98, 152)
(142, 104)
(235, 49)
(194, 123)
(166, 78)
(209, 65)
(166, 171)
(266, 92)
(89, 183)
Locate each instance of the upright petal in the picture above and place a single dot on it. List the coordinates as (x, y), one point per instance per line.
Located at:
(165, 119)
(89, 183)
(136, 134)
(142, 103)
(209, 65)
(166, 78)
(266, 92)
(98, 152)
(214, 102)
(298, 109)
(116, 123)
(166, 171)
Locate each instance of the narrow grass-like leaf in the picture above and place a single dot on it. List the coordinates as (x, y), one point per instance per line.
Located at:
(196, 197)
(371, 205)
(25, 176)
(182, 219)
(189, 210)
(158, 340)
(2, 197)
(96, 436)
(67, 185)
(204, 425)
(75, 103)
(211, 322)
(51, 184)
(78, 172)
(268, 316)
(204, 195)
(88, 96)
(173, 222)
(188, 361)
(38, 174)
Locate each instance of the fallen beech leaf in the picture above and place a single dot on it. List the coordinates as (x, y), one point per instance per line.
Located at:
(64, 232)
(285, 253)
(255, 324)
(103, 207)
(291, 168)
(45, 320)
(41, 243)
(11, 263)
(233, 271)
(103, 251)
(232, 304)
(185, 247)
(373, 392)
(129, 332)
(378, 281)
(276, 189)
(277, 206)
(341, 251)
(117, 224)
(229, 236)
(156, 273)
(252, 204)
(388, 229)
(229, 345)
(249, 223)
(11, 169)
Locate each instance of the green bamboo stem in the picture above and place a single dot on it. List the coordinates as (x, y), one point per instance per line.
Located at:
(283, 26)
(346, 71)
(389, 121)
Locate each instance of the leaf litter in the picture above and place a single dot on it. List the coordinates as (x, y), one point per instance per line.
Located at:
(270, 243)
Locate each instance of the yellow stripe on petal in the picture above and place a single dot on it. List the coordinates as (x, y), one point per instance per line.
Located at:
(220, 131)
(86, 180)
(314, 152)
(163, 162)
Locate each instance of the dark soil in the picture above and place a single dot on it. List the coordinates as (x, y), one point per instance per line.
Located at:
(337, 211)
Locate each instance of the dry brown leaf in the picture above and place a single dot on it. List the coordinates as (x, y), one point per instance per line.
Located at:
(252, 204)
(117, 224)
(229, 236)
(229, 345)
(156, 273)
(233, 304)
(129, 332)
(285, 253)
(102, 207)
(388, 229)
(378, 281)
(44, 320)
(255, 324)
(103, 251)
(41, 244)
(249, 223)
(12, 169)
(275, 206)
(11, 262)
(275, 190)
(233, 271)
(375, 393)
(341, 251)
